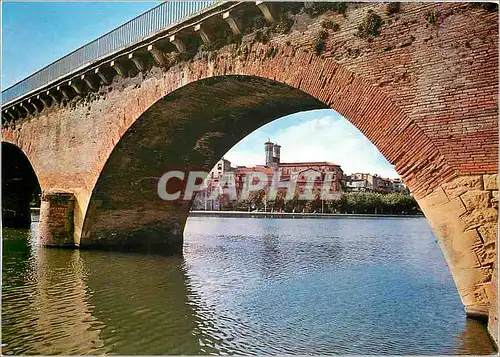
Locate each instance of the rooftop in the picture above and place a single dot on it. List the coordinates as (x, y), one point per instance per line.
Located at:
(312, 163)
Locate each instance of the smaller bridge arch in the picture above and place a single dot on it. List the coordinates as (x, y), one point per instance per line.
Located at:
(20, 187)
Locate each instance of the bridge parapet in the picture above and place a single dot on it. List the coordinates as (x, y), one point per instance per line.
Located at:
(161, 17)
(162, 48)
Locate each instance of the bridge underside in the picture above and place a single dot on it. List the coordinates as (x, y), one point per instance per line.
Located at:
(188, 130)
(19, 184)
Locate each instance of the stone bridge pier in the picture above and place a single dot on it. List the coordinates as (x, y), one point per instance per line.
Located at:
(420, 81)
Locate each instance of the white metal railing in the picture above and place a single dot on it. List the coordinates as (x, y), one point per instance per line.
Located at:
(157, 19)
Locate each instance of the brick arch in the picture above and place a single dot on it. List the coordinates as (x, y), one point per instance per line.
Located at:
(330, 84)
(25, 150)
(365, 104)
(460, 205)
(323, 81)
(327, 84)
(369, 107)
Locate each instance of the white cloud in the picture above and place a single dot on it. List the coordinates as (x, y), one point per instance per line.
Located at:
(323, 137)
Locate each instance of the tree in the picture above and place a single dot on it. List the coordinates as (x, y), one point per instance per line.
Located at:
(278, 203)
(314, 205)
(256, 198)
(352, 202)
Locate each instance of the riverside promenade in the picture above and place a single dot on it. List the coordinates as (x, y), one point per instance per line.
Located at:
(255, 214)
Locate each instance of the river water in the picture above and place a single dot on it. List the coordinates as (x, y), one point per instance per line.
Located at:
(244, 286)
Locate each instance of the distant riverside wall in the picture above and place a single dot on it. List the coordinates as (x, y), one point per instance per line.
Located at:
(238, 214)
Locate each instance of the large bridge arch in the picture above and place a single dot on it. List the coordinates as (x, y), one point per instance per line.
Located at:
(194, 125)
(191, 127)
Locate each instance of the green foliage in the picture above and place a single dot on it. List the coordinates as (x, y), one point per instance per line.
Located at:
(293, 7)
(261, 37)
(319, 46)
(323, 35)
(272, 52)
(353, 52)
(393, 8)
(314, 9)
(185, 56)
(294, 205)
(313, 205)
(370, 27)
(329, 24)
(256, 198)
(235, 39)
(319, 43)
(222, 40)
(375, 203)
(408, 42)
(35, 198)
(282, 26)
(431, 17)
(358, 203)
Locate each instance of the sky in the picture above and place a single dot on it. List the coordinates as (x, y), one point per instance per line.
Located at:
(35, 34)
(38, 33)
(316, 135)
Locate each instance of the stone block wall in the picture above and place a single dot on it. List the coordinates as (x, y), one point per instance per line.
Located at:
(464, 216)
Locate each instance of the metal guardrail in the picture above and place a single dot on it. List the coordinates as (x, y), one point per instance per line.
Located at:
(157, 19)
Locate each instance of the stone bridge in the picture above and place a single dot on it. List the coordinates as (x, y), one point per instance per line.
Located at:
(420, 81)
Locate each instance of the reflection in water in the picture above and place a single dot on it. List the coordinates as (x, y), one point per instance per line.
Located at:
(244, 286)
(45, 306)
(143, 302)
(471, 339)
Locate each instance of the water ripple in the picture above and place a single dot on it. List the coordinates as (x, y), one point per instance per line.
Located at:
(244, 286)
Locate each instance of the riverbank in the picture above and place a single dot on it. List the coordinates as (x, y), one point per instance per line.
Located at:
(254, 214)
(241, 214)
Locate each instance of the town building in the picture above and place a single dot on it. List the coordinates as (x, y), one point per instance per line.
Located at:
(275, 171)
(357, 185)
(222, 167)
(364, 182)
(398, 185)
